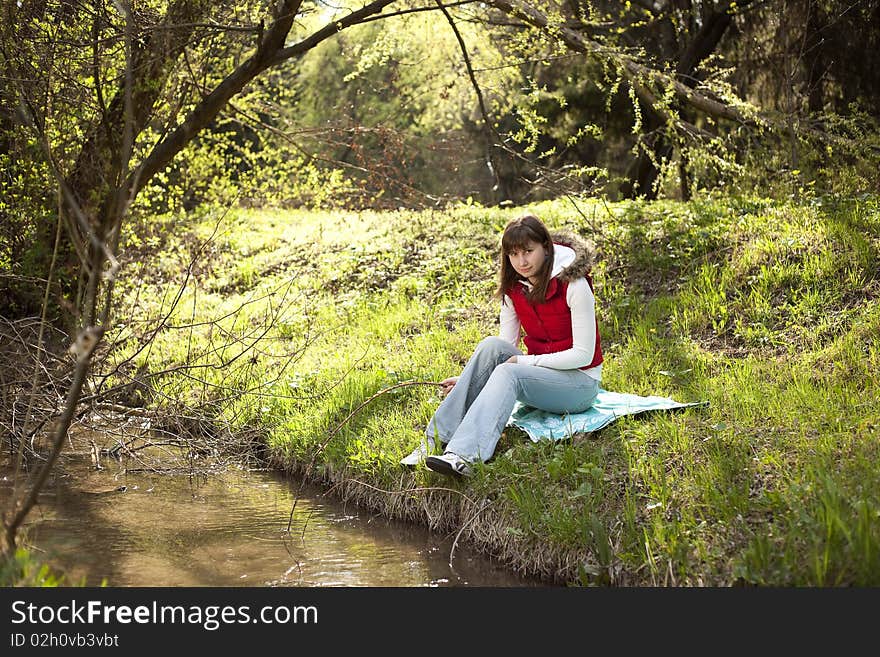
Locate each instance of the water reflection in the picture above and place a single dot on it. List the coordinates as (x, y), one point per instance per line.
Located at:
(230, 530)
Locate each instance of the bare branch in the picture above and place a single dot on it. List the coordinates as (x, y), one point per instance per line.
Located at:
(84, 347)
(416, 10)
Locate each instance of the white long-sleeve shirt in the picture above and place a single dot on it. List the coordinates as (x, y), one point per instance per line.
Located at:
(582, 303)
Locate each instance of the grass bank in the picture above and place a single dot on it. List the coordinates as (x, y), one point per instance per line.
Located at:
(290, 320)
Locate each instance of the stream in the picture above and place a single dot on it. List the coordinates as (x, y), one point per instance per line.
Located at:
(230, 529)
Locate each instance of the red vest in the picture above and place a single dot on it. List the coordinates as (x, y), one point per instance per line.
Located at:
(547, 325)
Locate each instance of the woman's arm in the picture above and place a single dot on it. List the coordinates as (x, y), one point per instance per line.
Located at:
(583, 329)
(509, 325)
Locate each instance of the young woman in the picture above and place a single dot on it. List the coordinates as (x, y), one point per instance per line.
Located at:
(547, 294)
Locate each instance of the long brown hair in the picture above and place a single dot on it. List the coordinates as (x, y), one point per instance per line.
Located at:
(517, 234)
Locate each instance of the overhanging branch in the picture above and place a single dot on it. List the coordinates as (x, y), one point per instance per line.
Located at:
(635, 72)
(641, 76)
(269, 53)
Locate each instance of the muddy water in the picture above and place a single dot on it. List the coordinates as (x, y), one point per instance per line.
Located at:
(230, 529)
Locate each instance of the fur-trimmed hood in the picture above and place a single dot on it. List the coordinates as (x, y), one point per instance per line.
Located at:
(584, 255)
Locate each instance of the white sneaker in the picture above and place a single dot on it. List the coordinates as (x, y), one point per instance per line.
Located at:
(449, 463)
(425, 448)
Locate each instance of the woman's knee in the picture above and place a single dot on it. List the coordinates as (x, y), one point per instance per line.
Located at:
(504, 374)
(493, 345)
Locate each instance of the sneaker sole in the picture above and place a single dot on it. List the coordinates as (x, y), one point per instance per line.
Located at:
(441, 466)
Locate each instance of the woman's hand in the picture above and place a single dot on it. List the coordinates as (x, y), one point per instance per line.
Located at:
(446, 385)
(512, 359)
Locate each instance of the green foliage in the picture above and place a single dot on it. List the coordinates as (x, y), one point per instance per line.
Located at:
(23, 569)
(387, 104)
(27, 231)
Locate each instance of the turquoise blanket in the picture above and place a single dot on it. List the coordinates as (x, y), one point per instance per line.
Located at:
(540, 424)
(608, 407)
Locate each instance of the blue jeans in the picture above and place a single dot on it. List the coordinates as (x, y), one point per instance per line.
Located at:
(473, 415)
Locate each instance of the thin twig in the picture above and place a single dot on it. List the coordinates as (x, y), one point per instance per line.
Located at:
(483, 506)
(320, 449)
(38, 362)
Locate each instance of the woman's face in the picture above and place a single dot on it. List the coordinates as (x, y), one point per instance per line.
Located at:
(528, 260)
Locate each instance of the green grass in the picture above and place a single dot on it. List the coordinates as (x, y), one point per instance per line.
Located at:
(767, 310)
(23, 568)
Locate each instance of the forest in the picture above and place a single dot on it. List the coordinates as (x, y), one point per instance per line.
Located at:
(268, 230)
